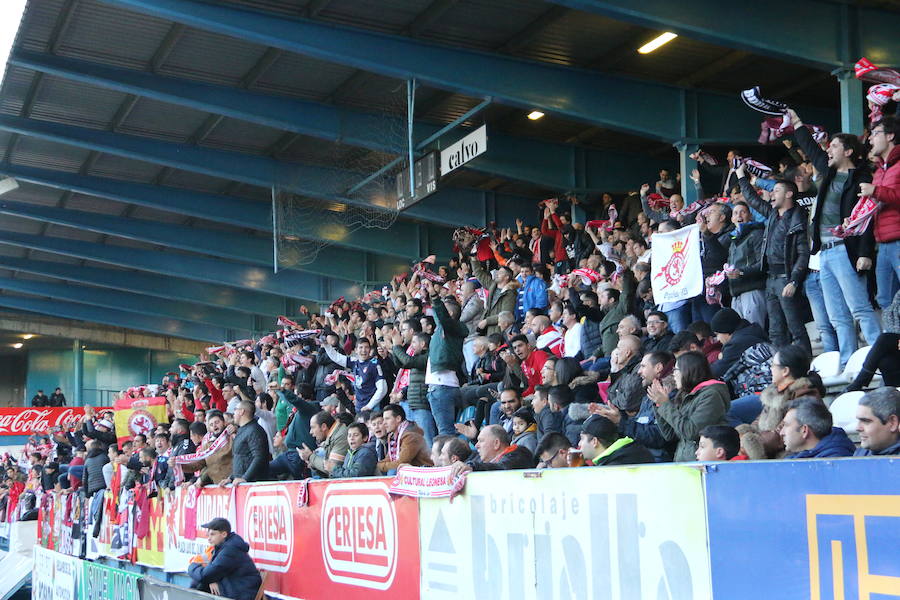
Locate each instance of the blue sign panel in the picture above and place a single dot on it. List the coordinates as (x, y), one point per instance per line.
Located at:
(816, 529)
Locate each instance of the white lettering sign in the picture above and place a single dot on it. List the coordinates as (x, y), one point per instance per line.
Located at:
(458, 154)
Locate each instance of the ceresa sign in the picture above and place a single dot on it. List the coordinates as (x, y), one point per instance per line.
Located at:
(359, 534)
(270, 527)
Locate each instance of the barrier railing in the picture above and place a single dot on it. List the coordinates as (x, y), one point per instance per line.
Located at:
(818, 529)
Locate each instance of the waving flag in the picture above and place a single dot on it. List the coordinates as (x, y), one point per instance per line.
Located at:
(675, 269)
(138, 415)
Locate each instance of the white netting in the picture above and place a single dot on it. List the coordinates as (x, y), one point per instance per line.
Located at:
(305, 225)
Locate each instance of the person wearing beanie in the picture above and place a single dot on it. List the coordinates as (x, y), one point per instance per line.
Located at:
(525, 429)
(736, 335)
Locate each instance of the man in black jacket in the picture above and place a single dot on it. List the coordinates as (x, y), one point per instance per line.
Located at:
(785, 255)
(736, 335)
(601, 444)
(250, 449)
(494, 453)
(747, 282)
(845, 264)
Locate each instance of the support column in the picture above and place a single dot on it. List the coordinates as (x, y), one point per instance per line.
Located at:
(685, 166)
(77, 373)
(853, 109)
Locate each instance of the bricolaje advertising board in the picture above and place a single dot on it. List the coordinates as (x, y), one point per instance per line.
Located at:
(55, 576)
(603, 533)
(812, 529)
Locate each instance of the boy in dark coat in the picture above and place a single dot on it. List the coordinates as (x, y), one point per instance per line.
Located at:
(225, 569)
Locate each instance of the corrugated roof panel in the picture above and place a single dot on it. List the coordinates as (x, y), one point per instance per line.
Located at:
(484, 24)
(118, 36)
(389, 16)
(302, 76)
(212, 57)
(34, 152)
(242, 136)
(94, 204)
(72, 233)
(31, 193)
(38, 23)
(575, 38)
(196, 181)
(20, 225)
(15, 88)
(157, 216)
(285, 7)
(73, 103)
(118, 167)
(160, 120)
(51, 257)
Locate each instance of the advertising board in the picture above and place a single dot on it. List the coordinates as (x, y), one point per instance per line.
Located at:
(605, 533)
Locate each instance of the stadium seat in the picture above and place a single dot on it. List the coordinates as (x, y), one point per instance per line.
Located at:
(828, 366)
(843, 410)
(854, 366)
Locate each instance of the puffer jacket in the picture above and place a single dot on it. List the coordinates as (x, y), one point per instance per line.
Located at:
(231, 567)
(745, 254)
(684, 419)
(887, 191)
(250, 450)
(93, 471)
(417, 391)
(627, 387)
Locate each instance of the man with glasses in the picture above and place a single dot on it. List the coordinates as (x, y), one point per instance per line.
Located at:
(552, 451)
(658, 335)
(885, 188)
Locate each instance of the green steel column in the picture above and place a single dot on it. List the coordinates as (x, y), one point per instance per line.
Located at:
(685, 166)
(78, 373)
(852, 102)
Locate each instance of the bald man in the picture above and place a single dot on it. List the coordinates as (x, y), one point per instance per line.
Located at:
(495, 453)
(626, 389)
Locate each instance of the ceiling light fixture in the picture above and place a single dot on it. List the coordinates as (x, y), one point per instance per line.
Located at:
(27, 336)
(660, 40)
(535, 115)
(18, 345)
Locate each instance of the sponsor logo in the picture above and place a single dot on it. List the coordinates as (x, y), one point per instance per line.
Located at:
(270, 527)
(16, 421)
(359, 535)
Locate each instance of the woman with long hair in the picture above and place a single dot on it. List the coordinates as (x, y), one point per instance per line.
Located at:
(699, 402)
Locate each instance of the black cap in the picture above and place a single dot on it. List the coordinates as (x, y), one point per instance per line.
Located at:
(727, 320)
(599, 427)
(218, 524)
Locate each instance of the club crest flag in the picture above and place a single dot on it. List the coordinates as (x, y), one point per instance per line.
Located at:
(139, 415)
(675, 269)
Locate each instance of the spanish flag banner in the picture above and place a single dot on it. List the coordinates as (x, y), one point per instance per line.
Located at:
(139, 415)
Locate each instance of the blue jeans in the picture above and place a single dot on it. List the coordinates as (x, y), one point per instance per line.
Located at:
(847, 289)
(820, 313)
(744, 410)
(424, 419)
(887, 272)
(701, 310)
(288, 463)
(679, 318)
(444, 400)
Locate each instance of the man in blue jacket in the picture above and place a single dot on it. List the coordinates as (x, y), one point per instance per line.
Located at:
(878, 423)
(226, 568)
(808, 432)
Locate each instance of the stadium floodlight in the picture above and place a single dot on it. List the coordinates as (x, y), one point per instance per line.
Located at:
(655, 43)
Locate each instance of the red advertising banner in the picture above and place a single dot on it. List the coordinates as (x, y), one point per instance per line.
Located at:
(26, 421)
(352, 538)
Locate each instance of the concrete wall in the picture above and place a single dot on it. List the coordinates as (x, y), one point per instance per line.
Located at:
(105, 371)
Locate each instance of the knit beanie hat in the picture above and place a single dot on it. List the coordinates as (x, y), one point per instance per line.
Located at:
(725, 321)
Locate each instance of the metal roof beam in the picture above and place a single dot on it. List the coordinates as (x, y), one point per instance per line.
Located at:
(228, 210)
(116, 318)
(751, 26)
(238, 246)
(644, 108)
(538, 162)
(213, 270)
(160, 286)
(130, 302)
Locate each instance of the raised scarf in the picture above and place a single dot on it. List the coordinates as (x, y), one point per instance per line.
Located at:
(393, 450)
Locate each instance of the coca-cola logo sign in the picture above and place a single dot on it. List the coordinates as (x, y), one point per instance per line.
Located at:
(26, 421)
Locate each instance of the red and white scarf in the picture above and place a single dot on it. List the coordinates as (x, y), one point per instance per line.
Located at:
(175, 462)
(859, 220)
(553, 339)
(393, 449)
(402, 380)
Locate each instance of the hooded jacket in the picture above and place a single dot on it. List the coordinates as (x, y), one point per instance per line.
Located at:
(231, 567)
(361, 462)
(684, 419)
(835, 444)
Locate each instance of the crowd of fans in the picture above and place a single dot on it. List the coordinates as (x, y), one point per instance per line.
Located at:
(542, 345)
